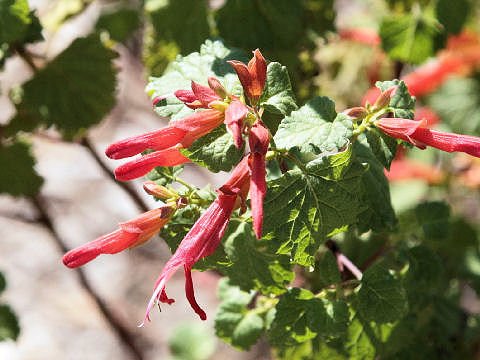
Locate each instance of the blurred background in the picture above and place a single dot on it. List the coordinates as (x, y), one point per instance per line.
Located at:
(73, 77)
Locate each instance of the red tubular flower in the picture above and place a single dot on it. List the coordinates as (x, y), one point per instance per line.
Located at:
(252, 76)
(156, 140)
(361, 35)
(146, 163)
(131, 234)
(405, 169)
(239, 181)
(415, 133)
(167, 141)
(259, 140)
(234, 115)
(432, 75)
(201, 241)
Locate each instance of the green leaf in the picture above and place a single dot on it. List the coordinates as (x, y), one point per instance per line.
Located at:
(402, 102)
(191, 341)
(164, 175)
(300, 316)
(425, 270)
(381, 297)
(277, 96)
(320, 15)
(183, 22)
(70, 93)
(210, 61)
(382, 146)
(9, 328)
(409, 37)
(453, 14)
(266, 24)
(14, 20)
(329, 273)
(119, 23)
(3, 283)
(17, 175)
(457, 102)
(379, 216)
(253, 269)
(360, 345)
(234, 322)
(314, 128)
(301, 208)
(434, 218)
(215, 151)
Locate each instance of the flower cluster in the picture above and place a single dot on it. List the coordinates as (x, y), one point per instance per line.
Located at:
(213, 106)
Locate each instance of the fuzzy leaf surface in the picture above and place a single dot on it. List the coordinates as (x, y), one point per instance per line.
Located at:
(198, 66)
(379, 215)
(189, 32)
(409, 37)
(300, 316)
(314, 128)
(402, 102)
(70, 93)
(382, 146)
(252, 269)
(234, 322)
(216, 151)
(302, 207)
(381, 298)
(277, 96)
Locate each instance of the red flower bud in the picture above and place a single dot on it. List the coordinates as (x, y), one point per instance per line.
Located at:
(253, 76)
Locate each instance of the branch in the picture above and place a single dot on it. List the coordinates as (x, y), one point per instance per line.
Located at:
(125, 186)
(121, 331)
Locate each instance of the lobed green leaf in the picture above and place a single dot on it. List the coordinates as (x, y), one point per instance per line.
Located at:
(303, 207)
(381, 297)
(255, 269)
(277, 96)
(216, 151)
(17, 175)
(314, 128)
(198, 66)
(235, 323)
(300, 316)
(409, 37)
(70, 93)
(402, 102)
